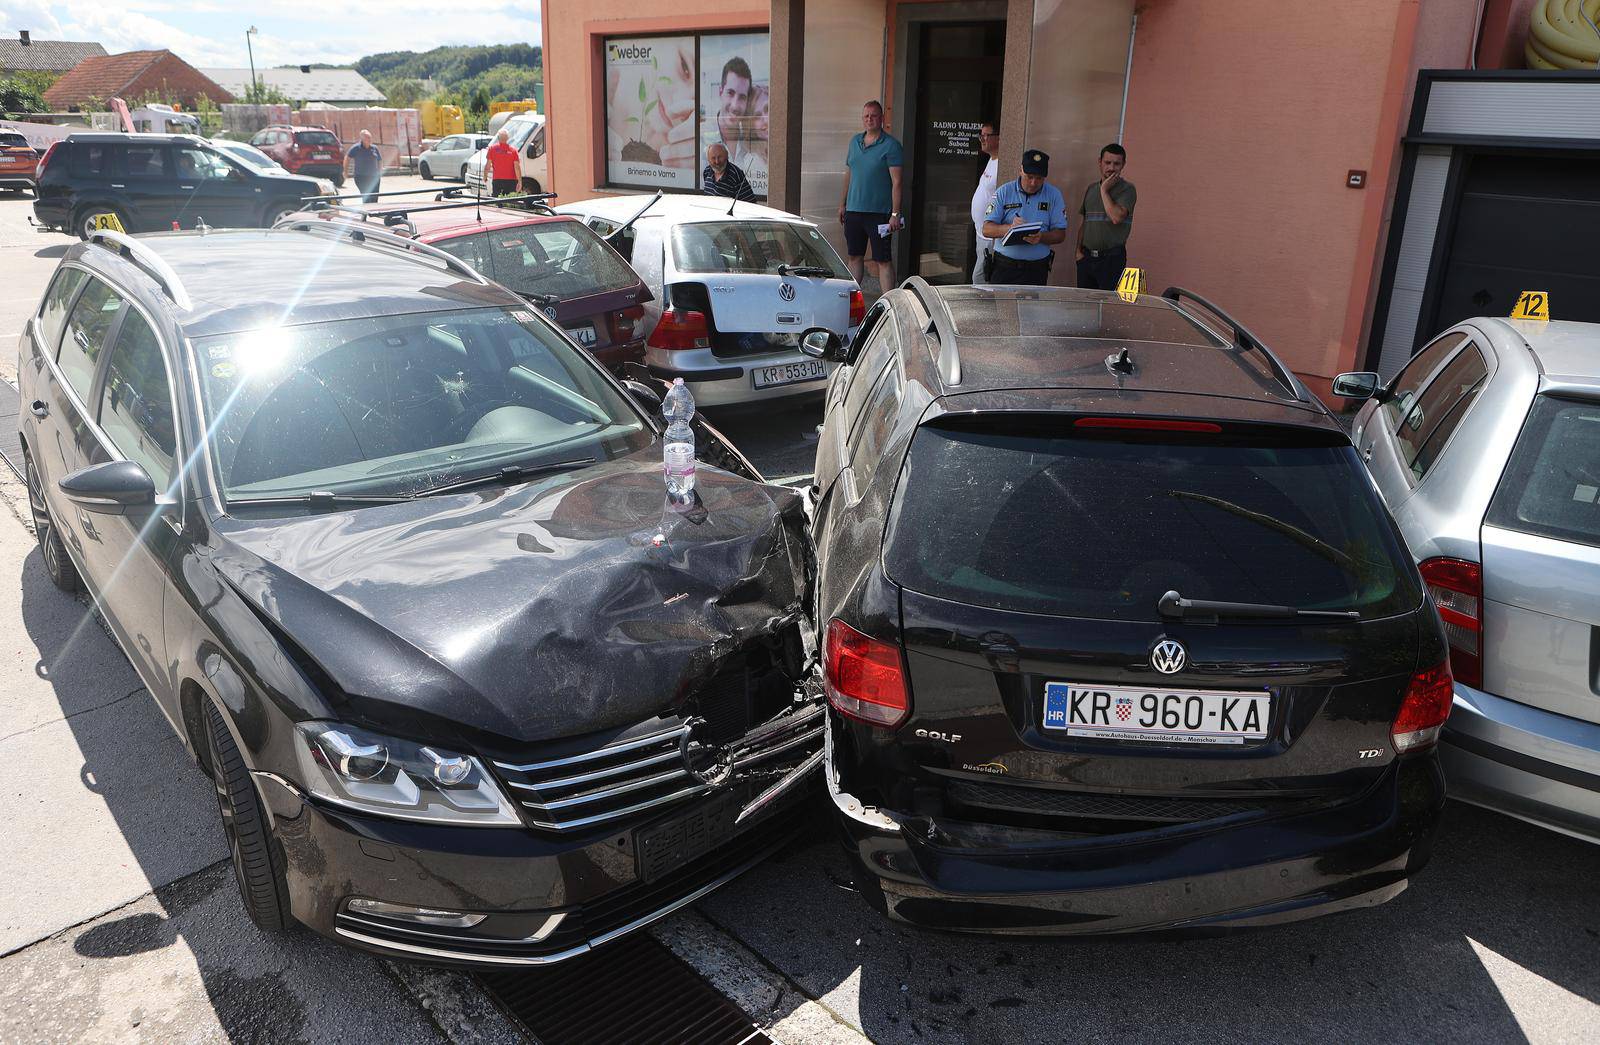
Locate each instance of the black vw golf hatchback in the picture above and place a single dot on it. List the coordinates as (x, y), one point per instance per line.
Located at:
(1117, 633)
(394, 557)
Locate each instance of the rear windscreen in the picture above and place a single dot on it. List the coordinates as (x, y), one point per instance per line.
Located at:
(756, 247)
(1089, 526)
(1551, 485)
(315, 138)
(10, 139)
(561, 257)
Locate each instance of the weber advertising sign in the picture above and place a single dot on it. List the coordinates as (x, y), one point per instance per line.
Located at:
(650, 113)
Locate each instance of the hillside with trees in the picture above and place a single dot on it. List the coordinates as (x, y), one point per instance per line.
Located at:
(470, 77)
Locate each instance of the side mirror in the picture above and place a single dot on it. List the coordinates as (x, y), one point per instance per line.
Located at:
(822, 343)
(1360, 385)
(110, 488)
(644, 395)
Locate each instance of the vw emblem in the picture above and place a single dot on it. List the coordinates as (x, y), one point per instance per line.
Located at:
(786, 291)
(1169, 657)
(550, 310)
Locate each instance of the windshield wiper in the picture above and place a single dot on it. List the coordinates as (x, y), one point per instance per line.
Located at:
(804, 270)
(1203, 611)
(539, 299)
(511, 473)
(322, 499)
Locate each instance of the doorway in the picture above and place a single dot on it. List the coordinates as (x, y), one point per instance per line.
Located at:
(952, 75)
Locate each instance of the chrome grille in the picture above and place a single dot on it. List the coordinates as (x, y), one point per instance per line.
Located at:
(619, 780)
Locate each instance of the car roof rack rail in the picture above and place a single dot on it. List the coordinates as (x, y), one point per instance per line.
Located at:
(127, 247)
(361, 234)
(1243, 339)
(940, 328)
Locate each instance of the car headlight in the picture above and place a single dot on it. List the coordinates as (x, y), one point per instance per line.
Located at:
(376, 774)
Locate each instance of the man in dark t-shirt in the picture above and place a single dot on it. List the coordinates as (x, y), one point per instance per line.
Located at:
(1107, 212)
(366, 166)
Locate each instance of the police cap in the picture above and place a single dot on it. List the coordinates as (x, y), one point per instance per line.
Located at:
(1035, 162)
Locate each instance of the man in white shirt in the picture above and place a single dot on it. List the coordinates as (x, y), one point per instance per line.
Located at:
(989, 142)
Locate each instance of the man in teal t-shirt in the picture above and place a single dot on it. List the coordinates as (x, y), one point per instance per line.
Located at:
(871, 197)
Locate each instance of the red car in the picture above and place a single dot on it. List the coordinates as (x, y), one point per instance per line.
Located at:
(312, 151)
(18, 161)
(556, 262)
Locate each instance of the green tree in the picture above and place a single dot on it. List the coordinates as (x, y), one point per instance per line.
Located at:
(263, 93)
(480, 101)
(19, 96)
(400, 92)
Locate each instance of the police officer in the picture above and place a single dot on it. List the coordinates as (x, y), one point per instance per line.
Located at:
(1027, 200)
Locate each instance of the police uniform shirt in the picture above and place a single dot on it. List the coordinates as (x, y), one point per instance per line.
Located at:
(1047, 207)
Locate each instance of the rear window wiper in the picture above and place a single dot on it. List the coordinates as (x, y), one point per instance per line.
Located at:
(511, 473)
(1205, 610)
(804, 270)
(539, 299)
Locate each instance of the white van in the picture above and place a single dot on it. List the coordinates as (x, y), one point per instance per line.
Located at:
(525, 133)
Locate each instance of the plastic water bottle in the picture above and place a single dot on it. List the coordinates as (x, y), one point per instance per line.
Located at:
(677, 449)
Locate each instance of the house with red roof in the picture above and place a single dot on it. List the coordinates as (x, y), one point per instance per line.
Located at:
(133, 76)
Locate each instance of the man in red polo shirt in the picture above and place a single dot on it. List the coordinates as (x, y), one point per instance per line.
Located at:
(505, 167)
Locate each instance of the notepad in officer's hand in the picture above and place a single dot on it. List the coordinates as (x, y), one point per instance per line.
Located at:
(1019, 234)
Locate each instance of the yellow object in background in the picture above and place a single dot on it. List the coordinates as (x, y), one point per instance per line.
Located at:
(525, 105)
(1532, 304)
(109, 221)
(1131, 285)
(1560, 38)
(441, 120)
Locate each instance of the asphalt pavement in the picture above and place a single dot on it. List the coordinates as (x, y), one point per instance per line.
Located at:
(119, 918)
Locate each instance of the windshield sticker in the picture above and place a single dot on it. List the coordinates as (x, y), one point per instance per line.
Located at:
(522, 315)
(223, 371)
(219, 351)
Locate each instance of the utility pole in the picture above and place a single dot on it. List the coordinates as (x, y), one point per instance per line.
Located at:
(255, 88)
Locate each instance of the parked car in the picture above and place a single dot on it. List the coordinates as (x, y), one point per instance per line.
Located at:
(1118, 635)
(1486, 447)
(735, 285)
(18, 161)
(149, 181)
(553, 261)
(524, 132)
(314, 152)
(260, 162)
(399, 569)
(448, 158)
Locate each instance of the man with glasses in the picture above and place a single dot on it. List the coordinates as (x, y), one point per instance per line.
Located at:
(989, 145)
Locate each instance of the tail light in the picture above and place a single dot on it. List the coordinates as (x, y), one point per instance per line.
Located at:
(680, 329)
(864, 678)
(1457, 589)
(45, 159)
(624, 323)
(858, 307)
(1422, 714)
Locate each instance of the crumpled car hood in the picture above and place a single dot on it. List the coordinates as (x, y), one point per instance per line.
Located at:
(545, 610)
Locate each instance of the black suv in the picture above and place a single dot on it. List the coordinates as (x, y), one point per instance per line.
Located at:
(149, 181)
(394, 557)
(1118, 634)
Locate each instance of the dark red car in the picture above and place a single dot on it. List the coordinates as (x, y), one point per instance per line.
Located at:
(18, 161)
(556, 262)
(311, 151)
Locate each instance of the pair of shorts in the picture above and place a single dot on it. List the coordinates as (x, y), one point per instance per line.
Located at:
(502, 186)
(861, 229)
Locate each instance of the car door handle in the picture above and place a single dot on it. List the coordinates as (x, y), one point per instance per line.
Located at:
(186, 187)
(40, 408)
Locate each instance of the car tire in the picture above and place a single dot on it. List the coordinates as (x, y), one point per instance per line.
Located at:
(531, 185)
(338, 180)
(427, 174)
(257, 867)
(463, 173)
(275, 212)
(52, 549)
(83, 219)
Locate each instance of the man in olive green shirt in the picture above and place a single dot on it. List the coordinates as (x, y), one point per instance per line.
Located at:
(1107, 218)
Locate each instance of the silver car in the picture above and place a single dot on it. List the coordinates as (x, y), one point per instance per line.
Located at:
(448, 157)
(1487, 449)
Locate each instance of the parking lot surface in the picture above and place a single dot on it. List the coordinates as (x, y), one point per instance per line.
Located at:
(120, 920)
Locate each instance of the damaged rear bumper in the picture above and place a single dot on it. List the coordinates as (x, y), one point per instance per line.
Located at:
(1238, 871)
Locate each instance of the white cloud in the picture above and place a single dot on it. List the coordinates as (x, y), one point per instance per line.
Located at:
(334, 33)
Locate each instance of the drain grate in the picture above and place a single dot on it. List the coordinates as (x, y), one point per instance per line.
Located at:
(632, 992)
(10, 445)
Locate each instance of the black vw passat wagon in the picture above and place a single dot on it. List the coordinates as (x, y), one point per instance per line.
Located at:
(1117, 633)
(393, 555)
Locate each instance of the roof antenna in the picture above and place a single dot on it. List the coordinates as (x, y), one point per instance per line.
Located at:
(1120, 363)
(732, 204)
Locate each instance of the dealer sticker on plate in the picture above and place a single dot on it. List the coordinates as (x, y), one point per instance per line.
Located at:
(1183, 716)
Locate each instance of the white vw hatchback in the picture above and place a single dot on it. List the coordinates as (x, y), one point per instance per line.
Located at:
(735, 286)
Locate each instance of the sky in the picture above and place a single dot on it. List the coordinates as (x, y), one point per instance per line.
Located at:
(291, 32)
